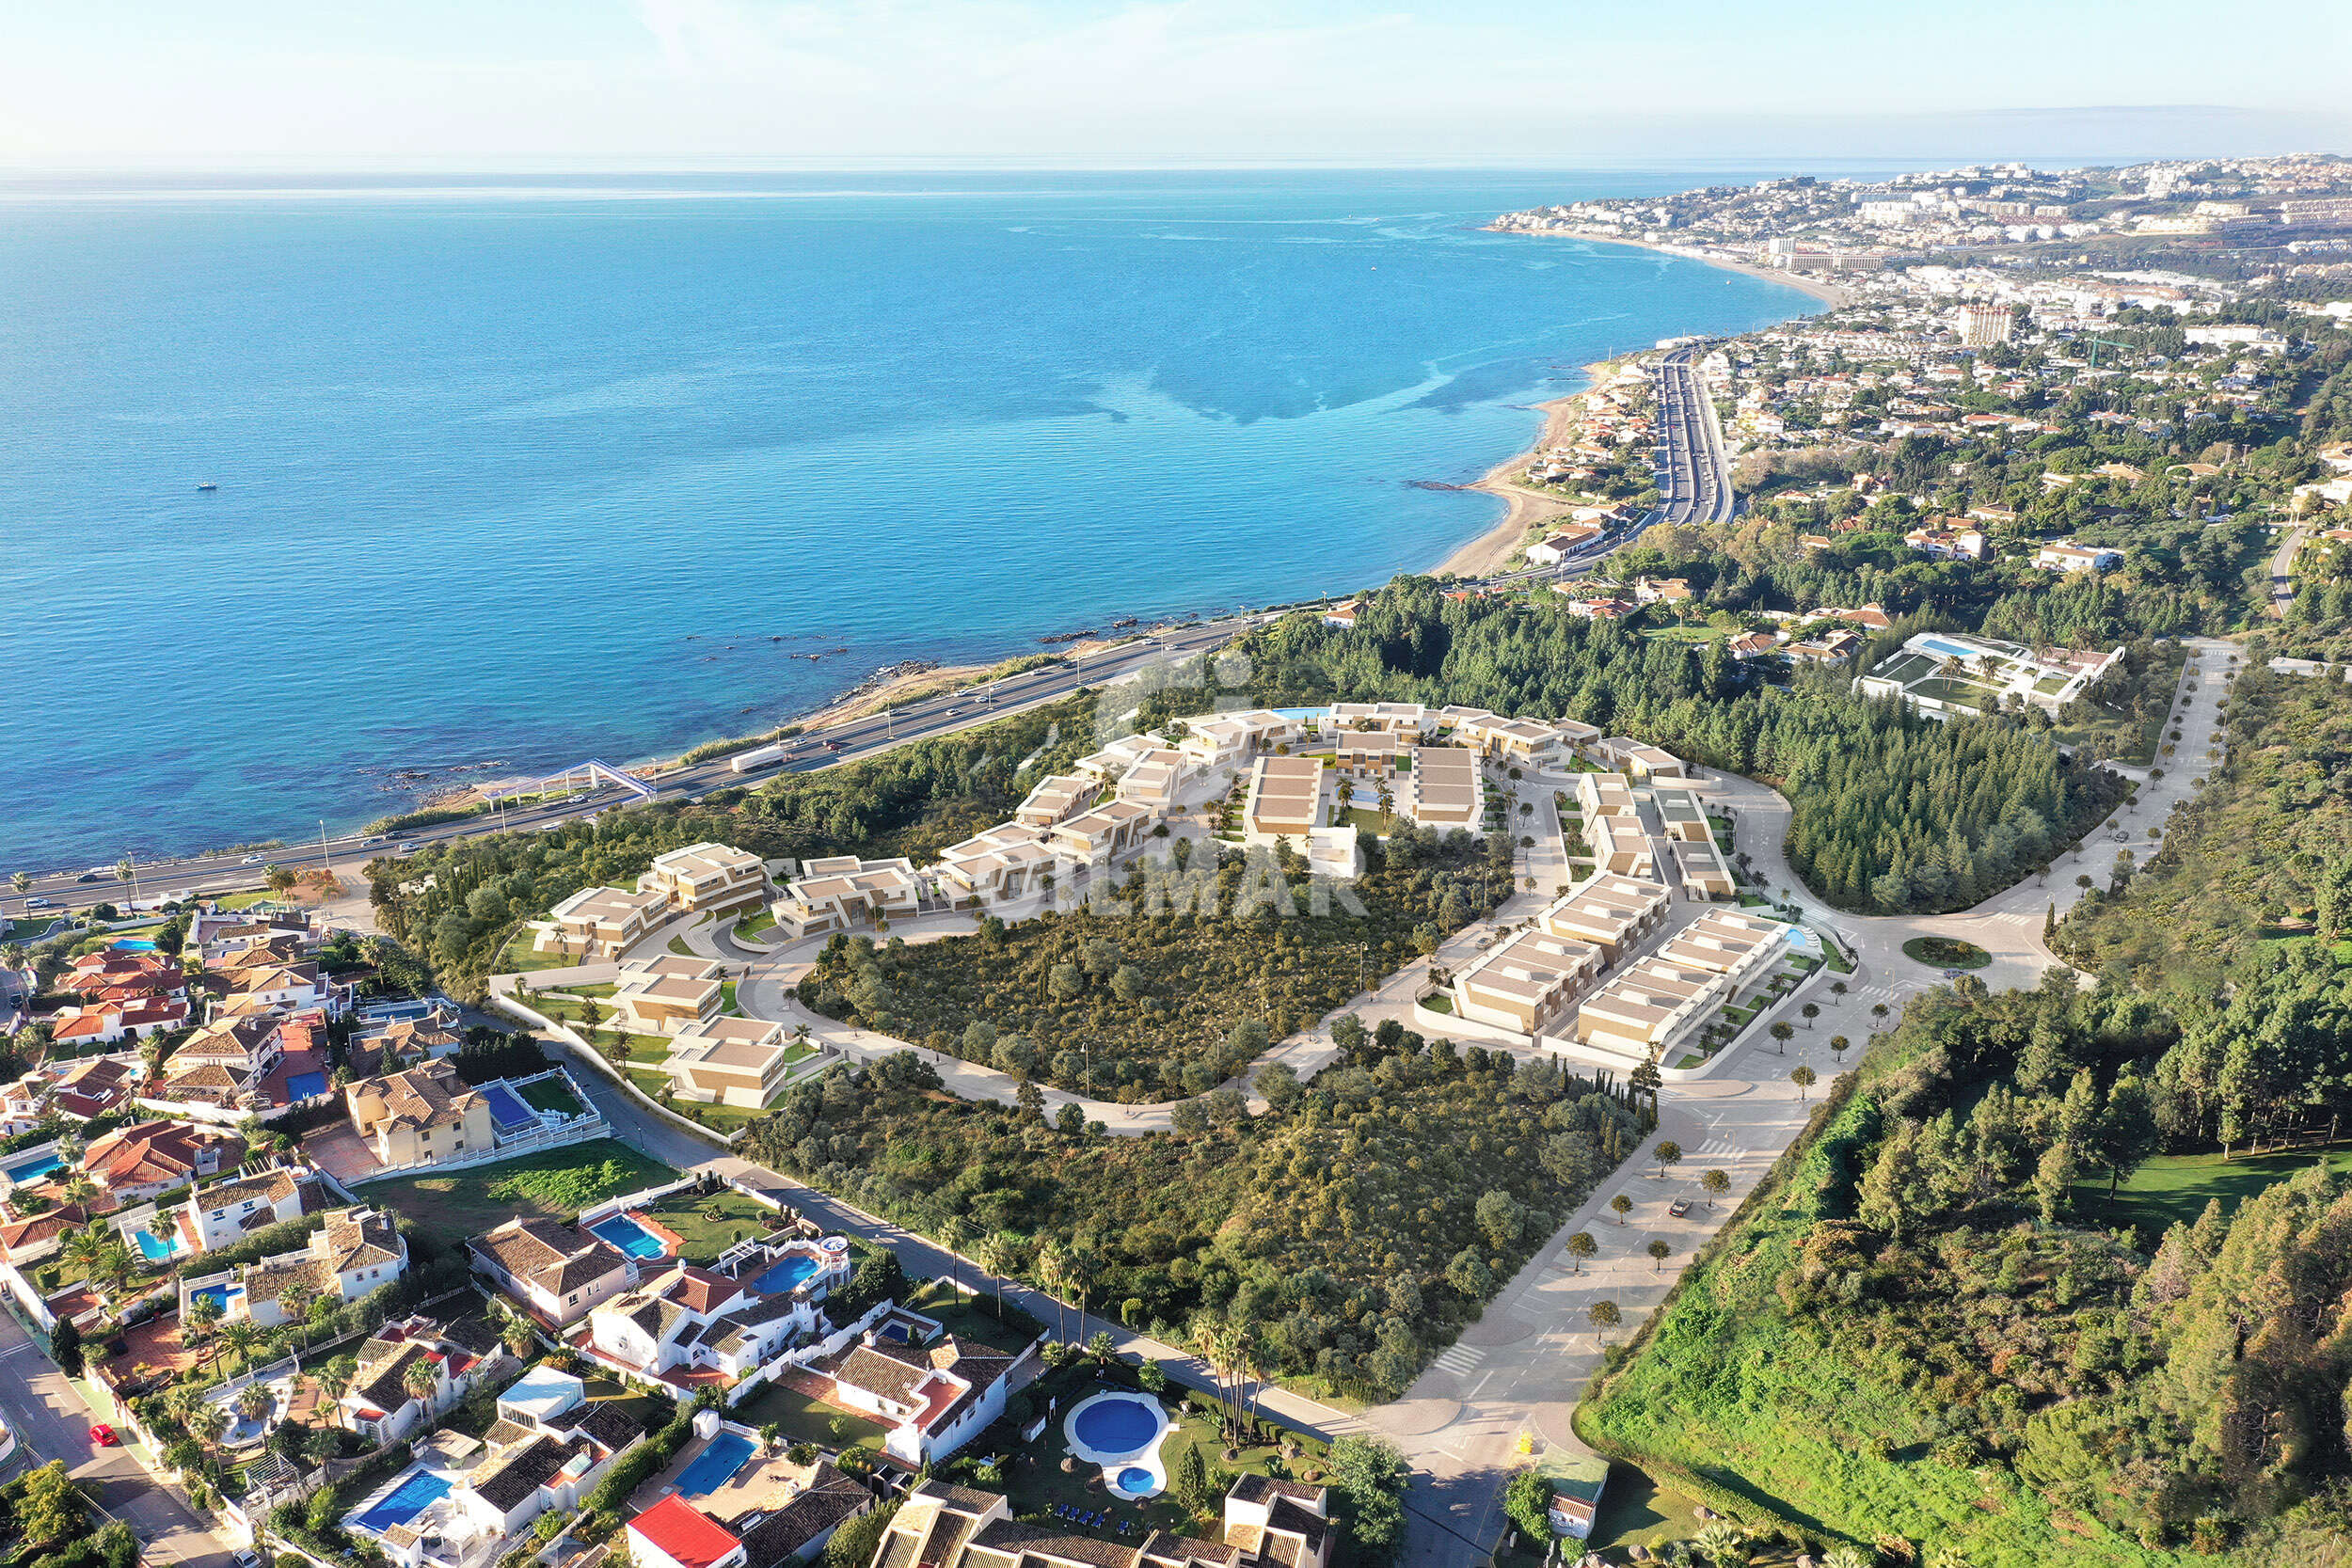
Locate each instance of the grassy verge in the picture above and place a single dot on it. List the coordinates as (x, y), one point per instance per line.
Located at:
(520, 959)
(550, 1094)
(2177, 1187)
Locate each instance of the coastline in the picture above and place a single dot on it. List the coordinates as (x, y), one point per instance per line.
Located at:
(1829, 294)
(1524, 509)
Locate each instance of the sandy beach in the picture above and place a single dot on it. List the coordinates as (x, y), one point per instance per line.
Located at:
(1527, 508)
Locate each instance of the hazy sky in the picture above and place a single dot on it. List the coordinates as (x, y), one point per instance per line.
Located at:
(92, 82)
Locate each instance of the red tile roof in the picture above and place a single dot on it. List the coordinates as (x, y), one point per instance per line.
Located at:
(684, 1534)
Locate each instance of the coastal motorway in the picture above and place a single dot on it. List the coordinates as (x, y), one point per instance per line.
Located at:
(943, 714)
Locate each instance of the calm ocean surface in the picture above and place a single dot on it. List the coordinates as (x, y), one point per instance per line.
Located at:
(522, 473)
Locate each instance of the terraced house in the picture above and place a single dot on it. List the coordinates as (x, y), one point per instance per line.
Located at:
(842, 892)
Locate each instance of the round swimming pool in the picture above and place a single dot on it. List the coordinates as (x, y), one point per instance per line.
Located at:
(1116, 1424)
(1136, 1480)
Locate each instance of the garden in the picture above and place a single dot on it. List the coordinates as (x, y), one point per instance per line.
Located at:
(449, 1206)
(1945, 952)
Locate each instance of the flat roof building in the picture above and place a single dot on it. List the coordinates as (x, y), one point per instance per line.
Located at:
(1443, 790)
(1285, 799)
(1619, 844)
(1527, 982)
(704, 878)
(1612, 912)
(838, 893)
(1604, 795)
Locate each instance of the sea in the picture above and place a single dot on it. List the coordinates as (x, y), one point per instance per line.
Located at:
(516, 471)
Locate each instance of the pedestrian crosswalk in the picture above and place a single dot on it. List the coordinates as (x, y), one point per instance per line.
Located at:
(1460, 1360)
(1716, 1146)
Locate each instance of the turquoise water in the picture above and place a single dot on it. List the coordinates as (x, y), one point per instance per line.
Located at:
(630, 1237)
(32, 1168)
(411, 1498)
(715, 1466)
(786, 1276)
(519, 477)
(155, 1249)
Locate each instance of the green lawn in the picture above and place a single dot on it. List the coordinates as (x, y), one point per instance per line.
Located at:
(759, 920)
(520, 959)
(976, 1316)
(709, 1223)
(1440, 1004)
(1365, 818)
(1636, 1512)
(452, 1206)
(1945, 952)
(2178, 1186)
(807, 1419)
(1035, 1479)
(1963, 693)
(677, 945)
(550, 1094)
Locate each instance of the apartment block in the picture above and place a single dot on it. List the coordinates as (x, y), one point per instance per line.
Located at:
(1612, 912)
(840, 893)
(706, 879)
(1368, 754)
(652, 1002)
(1227, 739)
(1638, 761)
(1604, 795)
(1522, 743)
(1700, 867)
(1057, 798)
(1681, 816)
(1009, 862)
(729, 1061)
(600, 922)
(1407, 720)
(1619, 844)
(1285, 800)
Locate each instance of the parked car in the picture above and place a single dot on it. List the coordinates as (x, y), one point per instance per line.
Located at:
(102, 1435)
(1954, 973)
(1679, 1207)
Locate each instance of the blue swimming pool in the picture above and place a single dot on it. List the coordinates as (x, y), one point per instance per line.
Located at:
(151, 1247)
(630, 1236)
(506, 1107)
(1950, 650)
(412, 1496)
(132, 944)
(1120, 1424)
(217, 1293)
(302, 1085)
(32, 1168)
(784, 1278)
(716, 1464)
(1136, 1482)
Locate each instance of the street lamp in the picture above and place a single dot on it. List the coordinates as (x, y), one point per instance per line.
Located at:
(325, 853)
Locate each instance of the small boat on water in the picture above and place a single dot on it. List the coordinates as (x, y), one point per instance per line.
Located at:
(207, 485)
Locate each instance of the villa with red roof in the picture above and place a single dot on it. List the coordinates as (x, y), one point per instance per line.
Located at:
(672, 1533)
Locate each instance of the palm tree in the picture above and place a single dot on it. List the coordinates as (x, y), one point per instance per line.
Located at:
(254, 1402)
(207, 1423)
(954, 1235)
(239, 1335)
(515, 1330)
(996, 1254)
(422, 1379)
(13, 956)
(20, 880)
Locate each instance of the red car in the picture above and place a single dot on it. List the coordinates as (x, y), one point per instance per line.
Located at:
(102, 1435)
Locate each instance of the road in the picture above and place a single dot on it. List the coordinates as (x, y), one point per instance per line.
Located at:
(50, 1423)
(2282, 570)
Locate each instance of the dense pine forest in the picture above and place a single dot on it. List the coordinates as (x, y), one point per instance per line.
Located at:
(1894, 814)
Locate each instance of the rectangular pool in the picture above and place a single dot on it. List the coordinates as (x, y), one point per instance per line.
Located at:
(507, 1109)
(786, 1276)
(630, 1236)
(32, 1168)
(715, 1466)
(151, 1247)
(302, 1085)
(416, 1492)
